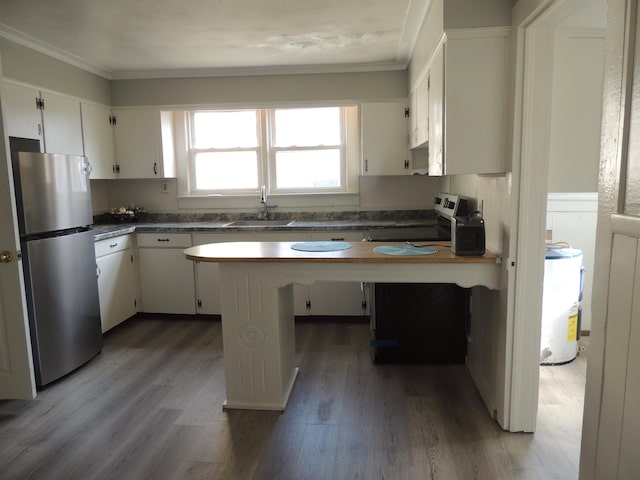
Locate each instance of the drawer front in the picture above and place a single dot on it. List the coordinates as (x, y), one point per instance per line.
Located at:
(339, 235)
(164, 240)
(112, 245)
(204, 238)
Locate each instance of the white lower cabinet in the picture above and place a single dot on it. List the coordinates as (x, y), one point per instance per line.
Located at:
(321, 298)
(301, 293)
(167, 280)
(117, 280)
(208, 300)
(338, 298)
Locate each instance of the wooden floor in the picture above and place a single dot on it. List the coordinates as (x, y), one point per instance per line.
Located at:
(149, 407)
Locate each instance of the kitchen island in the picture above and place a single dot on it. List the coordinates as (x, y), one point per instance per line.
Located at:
(257, 301)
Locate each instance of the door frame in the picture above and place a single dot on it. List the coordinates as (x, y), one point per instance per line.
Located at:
(534, 22)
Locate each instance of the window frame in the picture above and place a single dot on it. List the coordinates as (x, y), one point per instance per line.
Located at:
(266, 153)
(192, 151)
(273, 150)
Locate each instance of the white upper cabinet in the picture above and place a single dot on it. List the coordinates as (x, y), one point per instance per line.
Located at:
(99, 146)
(144, 147)
(52, 118)
(62, 124)
(467, 103)
(419, 113)
(21, 113)
(384, 138)
(436, 112)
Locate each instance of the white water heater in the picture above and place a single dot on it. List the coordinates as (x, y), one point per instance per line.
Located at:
(562, 293)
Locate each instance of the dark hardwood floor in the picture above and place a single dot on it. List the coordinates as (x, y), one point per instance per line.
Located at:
(149, 407)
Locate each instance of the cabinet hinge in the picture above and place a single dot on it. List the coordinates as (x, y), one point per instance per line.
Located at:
(199, 303)
(308, 305)
(364, 305)
(407, 112)
(131, 257)
(112, 119)
(135, 303)
(406, 164)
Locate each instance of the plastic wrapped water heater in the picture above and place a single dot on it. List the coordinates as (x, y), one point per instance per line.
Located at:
(561, 311)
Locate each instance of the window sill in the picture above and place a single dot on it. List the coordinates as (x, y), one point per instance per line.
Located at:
(244, 202)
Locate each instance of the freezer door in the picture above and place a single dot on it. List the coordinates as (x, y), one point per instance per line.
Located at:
(52, 192)
(62, 300)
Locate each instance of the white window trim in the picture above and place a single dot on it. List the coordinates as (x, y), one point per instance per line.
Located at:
(349, 196)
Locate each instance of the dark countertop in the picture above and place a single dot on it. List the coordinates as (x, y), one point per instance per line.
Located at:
(102, 232)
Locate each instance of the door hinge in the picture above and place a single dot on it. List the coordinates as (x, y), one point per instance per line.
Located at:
(407, 112)
(40, 103)
(112, 119)
(308, 305)
(135, 303)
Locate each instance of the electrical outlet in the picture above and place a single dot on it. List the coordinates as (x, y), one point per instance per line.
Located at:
(164, 187)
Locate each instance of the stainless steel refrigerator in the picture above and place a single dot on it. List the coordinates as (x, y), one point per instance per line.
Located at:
(53, 199)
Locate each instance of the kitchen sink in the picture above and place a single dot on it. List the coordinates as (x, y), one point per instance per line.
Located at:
(260, 223)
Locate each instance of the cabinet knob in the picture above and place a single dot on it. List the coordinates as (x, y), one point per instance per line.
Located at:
(6, 257)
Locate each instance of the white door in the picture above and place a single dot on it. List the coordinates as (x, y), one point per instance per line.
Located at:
(611, 425)
(16, 363)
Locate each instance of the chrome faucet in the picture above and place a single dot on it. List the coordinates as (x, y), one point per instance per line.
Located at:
(263, 200)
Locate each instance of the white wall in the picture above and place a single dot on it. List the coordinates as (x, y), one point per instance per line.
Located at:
(261, 90)
(376, 193)
(28, 66)
(576, 110)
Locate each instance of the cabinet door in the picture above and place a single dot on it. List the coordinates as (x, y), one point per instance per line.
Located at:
(413, 120)
(436, 113)
(337, 298)
(166, 281)
(207, 273)
(384, 138)
(138, 143)
(475, 104)
(62, 124)
(99, 145)
(117, 288)
(422, 111)
(301, 293)
(21, 113)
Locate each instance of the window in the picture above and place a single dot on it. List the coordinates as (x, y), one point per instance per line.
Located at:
(290, 150)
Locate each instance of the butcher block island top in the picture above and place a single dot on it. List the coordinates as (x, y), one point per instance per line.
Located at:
(358, 252)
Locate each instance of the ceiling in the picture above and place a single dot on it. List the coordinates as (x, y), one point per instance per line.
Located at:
(155, 38)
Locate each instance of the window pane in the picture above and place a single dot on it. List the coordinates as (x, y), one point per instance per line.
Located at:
(308, 168)
(226, 170)
(307, 127)
(225, 129)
